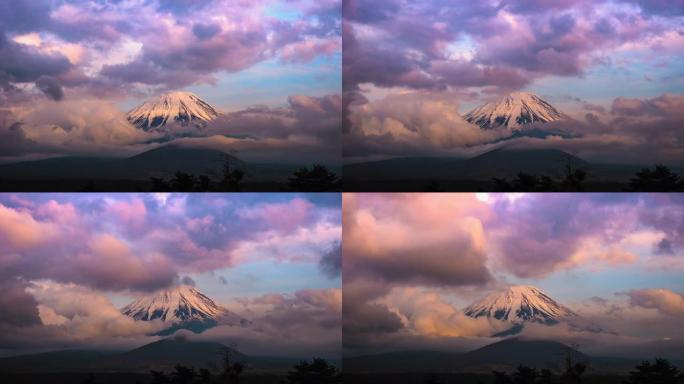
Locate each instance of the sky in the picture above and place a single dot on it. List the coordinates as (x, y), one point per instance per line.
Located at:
(71, 69)
(69, 262)
(413, 262)
(411, 70)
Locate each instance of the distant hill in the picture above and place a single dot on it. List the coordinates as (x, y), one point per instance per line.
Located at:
(504, 355)
(160, 355)
(413, 173)
(501, 162)
(160, 162)
(134, 173)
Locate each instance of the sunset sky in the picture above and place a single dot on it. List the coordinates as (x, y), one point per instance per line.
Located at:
(72, 68)
(410, 69)
(412, 262)
(69, 262)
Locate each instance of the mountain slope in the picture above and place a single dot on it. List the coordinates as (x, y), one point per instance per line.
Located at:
(504, 355)
(182, 107)
(513, 111)
(159, 355)
(166, 353)
(520, 303)
(183, 307)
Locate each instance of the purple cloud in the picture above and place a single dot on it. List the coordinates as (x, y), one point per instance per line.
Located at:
(410, 45)
(145, 244)
(181, 42)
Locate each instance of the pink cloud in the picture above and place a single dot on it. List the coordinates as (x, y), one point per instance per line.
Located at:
(129, 213)
(284, 217)
(663, 300)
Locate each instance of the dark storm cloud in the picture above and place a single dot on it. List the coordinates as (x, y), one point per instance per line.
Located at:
(23, 64)
(24, 15)
(187, 280)
(205, 31)
(50, 87)
(19, 307)
(331, 261)
(664, 246)
(13, 139)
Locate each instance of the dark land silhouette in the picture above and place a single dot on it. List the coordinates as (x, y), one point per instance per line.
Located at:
(168, 361)
(511, 361)
(168, 168)
(505, 170)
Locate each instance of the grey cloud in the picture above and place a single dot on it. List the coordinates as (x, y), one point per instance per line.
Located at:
(50, 87)
(331, 261)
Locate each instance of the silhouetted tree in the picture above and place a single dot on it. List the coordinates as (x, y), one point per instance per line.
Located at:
(231, 371)
(502, 185)
(183, 375)
(183, 182)
(203, 184)
(501, 378)
(318, 179)
(546, 377)
(660, 179)
(573, 177)
(316, 372)
(573, 369)
(231, 179)
(160, 185)
(90, 186)
(90, 379)
(204, 376)
(433, 186)
(159, 377)
(662, 372)
(525, 375)
(432, 379)
(525, 182)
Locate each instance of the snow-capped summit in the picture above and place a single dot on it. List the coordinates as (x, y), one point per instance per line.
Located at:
(513, 111)
(520, 303)
(182, 306)
(184, 108)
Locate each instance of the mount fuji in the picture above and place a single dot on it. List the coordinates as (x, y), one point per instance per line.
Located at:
(521, 304)
(182, 307)
(184, 108)
(513, 111)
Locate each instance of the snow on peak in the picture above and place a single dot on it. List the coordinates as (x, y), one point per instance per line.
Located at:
(179, 305)
(520, 303)
(185, 108)
(513, 111)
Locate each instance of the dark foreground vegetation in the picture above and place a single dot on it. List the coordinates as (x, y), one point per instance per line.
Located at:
(316, 179)
(316, 371)
(657, 179)
(658, 372)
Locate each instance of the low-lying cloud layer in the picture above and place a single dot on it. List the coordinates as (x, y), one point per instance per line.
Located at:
(308, 128)
(419, 123)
